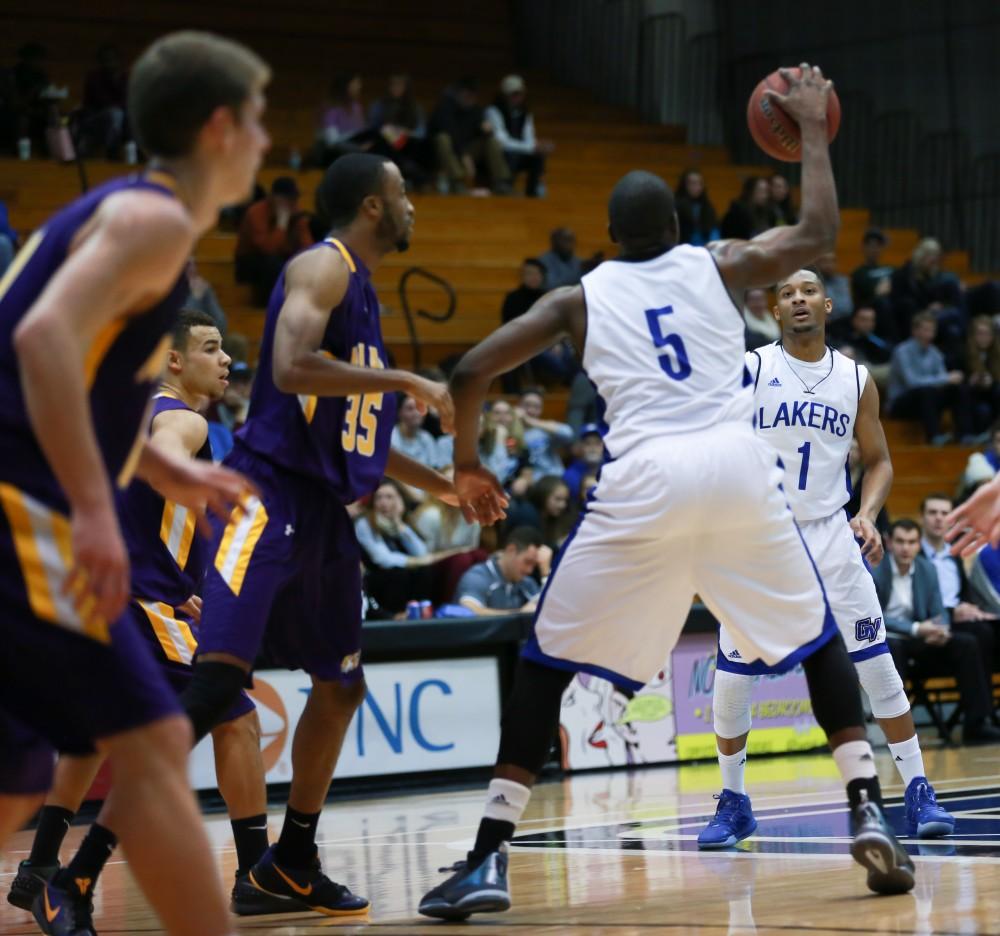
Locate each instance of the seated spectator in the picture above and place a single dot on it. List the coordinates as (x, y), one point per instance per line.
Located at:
(102, 116)
(984, 579)
(399, 121)
(920, 639)
(8, 239)
(411, 439)
(921, 285)
(562, 266)
(750, 214)
(501, 440)
(515, 304)
(202, 296)
(761, 326)
(590, 458)
(29, 86)
(443, 527)
(871, 282)
(696, 218)
(504, 583)
(272, 230)
(514, 129)
(228, 414)
(981, 466)
(555, 508)
(838, 287)
(464, 142)
(920, 385)
(519, 300)
(396, 557)
(781, 201)
(982, 373)
(965, 616)
(342, 125)
(856, 338)
(543, 438)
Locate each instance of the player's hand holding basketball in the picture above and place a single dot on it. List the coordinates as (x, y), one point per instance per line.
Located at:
(430, 394)
(871, 539)
(481, 497)
(98, 582)
(806, 99)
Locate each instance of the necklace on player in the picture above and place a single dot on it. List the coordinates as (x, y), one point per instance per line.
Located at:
(805, 387)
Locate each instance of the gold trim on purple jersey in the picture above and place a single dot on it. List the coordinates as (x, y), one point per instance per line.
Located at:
(246, 524)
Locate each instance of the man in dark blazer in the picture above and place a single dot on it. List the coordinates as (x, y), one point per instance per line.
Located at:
(919, 630)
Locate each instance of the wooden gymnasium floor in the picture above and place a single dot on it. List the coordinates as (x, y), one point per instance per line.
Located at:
(614, 852)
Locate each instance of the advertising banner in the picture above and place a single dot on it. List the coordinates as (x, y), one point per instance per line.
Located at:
(670, 719)
(417, 716)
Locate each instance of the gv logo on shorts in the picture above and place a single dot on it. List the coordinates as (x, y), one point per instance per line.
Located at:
(867, 630)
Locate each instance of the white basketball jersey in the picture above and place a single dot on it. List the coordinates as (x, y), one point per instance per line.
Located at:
(807, 412)
(664, 347)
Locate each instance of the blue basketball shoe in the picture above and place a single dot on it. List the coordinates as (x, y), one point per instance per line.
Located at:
(890, 868)
(733, 821)
(482, 889)
(62, 913)
(924, 817)
(305, 886)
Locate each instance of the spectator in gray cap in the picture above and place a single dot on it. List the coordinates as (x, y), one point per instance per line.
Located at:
(514, 129)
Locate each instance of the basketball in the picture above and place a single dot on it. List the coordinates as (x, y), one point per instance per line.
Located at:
(773, 130)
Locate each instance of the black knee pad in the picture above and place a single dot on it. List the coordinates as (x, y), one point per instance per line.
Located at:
(213, 690)
(833, 688)
(531, 717)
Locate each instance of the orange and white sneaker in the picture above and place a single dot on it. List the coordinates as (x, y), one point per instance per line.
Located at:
(309, 886)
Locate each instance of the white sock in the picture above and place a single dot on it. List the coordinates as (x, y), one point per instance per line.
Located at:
(506, 800)
(908, 759)
(733, 766)
(855, 761)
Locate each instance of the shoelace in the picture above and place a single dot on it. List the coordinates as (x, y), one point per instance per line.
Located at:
(457, 866)
(726, 809)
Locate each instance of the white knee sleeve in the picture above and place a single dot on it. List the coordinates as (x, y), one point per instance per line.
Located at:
(883, 686)
(731, 704)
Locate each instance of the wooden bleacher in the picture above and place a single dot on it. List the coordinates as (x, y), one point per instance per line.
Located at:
(475, 244)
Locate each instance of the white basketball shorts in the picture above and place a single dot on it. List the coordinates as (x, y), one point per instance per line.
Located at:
(850, 590)
(700, 513)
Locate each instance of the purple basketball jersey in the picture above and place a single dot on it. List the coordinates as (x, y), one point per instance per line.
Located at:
(342, 442)
(167, 553)
(122, 366)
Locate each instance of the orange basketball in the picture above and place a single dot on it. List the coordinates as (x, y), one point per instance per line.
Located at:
(773, 130)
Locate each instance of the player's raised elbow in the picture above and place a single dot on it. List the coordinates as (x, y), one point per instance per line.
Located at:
(819, 232)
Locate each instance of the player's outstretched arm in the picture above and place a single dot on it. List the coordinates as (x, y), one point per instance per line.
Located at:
(783, 250)
(125, 258)
(408, 471)
(877, 481)
(315, 283)
(557, 315)
(200, 486)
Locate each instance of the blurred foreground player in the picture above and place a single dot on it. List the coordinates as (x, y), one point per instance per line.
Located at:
(810, 402)
(284, 575)
(168, 563)
(85, 315)
(690, 503)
